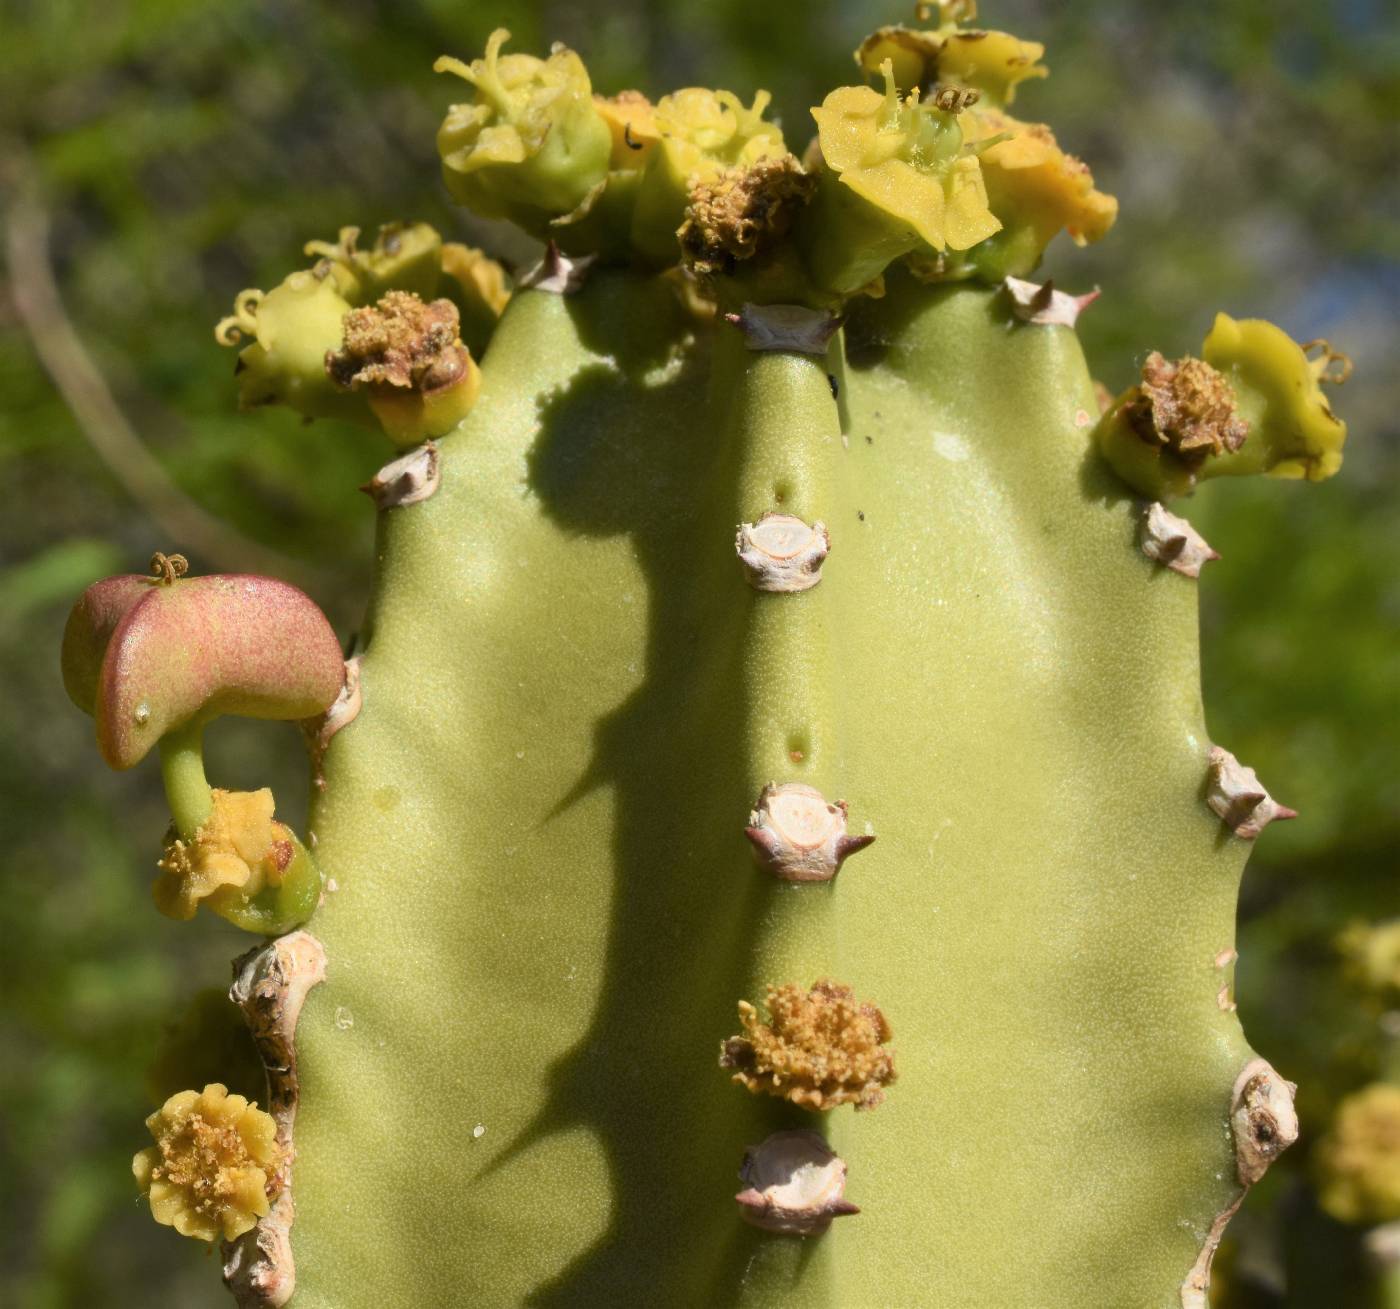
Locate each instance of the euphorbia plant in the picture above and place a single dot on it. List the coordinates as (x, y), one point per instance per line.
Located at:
(778, 514)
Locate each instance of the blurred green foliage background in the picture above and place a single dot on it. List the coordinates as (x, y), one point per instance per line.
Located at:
(156, 156)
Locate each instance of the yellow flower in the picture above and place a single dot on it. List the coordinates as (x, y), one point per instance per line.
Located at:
(699, 134)
(215, 1158)
(990, 62)
(293, 326)
(906, 160)
(240, 847)
(1359, 1161)
(716, 129)
(420, 379)
(530, 145)
(1032, 182)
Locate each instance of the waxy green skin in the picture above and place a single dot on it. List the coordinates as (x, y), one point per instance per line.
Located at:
(546, 908)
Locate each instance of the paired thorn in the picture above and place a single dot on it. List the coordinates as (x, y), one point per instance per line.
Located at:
(793, 1183)
(1174, 543)
(1045, 306)
(782, 553)
(407, 480)
(786, 327)
(799, 836)
(1235, 795)
(557, 273)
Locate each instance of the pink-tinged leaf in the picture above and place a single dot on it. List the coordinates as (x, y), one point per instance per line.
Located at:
(206, 646)
(90, 626)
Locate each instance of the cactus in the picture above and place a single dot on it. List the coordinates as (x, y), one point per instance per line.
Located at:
(873, 863)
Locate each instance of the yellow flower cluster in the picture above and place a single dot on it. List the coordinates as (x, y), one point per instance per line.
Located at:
(241, 848)
(1358, 1162)
(212, 1165)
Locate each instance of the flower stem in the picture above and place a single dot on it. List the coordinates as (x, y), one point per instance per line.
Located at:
(182, 770)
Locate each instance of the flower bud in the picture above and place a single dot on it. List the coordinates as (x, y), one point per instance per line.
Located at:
(530, 145)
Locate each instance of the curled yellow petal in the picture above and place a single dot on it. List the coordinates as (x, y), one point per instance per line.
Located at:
(1034, 186)
(992, 63)
(1281, 392)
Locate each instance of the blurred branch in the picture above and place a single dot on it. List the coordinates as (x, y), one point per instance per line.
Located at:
(182, 522)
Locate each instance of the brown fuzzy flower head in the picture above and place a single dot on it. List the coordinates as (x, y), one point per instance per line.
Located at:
(1187, 406)
(742, 212)
(819, 1048)
(401, 342)
(209, 1171)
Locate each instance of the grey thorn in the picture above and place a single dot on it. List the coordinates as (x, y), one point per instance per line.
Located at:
(798, 835)
(1045, 306)
(793, 1183)
(408, 480)
(1238, 798)
(557, 273)
(781, 553)
(786, 327)
(1173, 542)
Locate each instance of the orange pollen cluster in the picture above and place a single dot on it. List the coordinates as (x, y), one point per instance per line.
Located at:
(1187, 406)
(819, 1048)
(737, 214)
(401, 342)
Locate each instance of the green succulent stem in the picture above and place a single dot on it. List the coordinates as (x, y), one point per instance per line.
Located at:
(182, 771)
